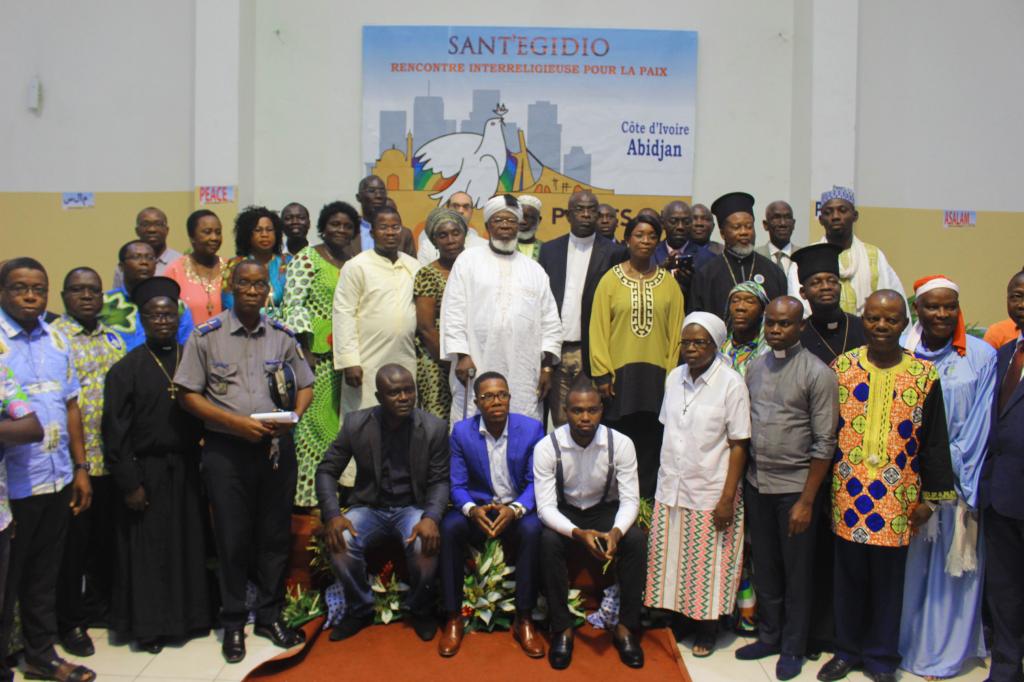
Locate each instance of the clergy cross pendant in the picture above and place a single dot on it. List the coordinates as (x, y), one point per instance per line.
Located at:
(172, 389)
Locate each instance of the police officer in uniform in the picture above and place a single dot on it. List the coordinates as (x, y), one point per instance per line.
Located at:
(237, 364)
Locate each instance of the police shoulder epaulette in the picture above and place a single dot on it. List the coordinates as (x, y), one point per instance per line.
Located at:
(277, 324)
(208, 326)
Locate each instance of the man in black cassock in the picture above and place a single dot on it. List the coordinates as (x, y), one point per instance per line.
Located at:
(709, 290)
(830, 332)
(152, 449)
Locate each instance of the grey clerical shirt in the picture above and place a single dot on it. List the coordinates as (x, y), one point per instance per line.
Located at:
(794, 410)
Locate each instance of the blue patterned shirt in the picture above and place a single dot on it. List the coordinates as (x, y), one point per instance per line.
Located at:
(13, 405)
(41, 360)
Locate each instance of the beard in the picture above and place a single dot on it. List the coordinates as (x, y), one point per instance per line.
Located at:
(741, 251)
(527, 235)
(504, 246)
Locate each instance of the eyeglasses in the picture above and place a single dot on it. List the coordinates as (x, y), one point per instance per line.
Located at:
(500, 396)
(79, 289)
(246, 285)
(502, 222)
(160, 317)
(22, 289)
(696, 343)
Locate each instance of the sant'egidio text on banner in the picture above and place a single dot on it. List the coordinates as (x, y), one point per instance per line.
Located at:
(543, 111)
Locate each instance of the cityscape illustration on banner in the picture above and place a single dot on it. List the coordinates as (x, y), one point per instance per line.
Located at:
(543, 111)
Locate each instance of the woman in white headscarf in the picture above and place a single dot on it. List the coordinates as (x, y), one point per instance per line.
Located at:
(696, 541)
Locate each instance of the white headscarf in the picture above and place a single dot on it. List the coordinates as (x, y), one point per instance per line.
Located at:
(530, 200)
(502, 202)
(713, 324)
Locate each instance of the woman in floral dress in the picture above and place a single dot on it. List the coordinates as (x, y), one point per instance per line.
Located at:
(306, 308)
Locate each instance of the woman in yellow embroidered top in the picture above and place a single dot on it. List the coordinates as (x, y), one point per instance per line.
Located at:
(635, 327)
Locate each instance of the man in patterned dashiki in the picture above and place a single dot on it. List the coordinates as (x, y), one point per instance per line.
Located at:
(892, 466)
(88, 554)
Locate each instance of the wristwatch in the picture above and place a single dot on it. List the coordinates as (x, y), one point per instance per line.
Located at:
(84, 466)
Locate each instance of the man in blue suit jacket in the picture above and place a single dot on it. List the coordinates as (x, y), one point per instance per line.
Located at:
(999, 495)
(492, 491)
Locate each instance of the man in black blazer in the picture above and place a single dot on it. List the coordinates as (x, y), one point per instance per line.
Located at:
(401, 490)
(575, 263)
(999, 496)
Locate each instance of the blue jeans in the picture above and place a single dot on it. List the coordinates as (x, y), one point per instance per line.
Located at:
(373, 524)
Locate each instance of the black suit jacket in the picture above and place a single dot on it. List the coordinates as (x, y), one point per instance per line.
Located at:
(360, 438)
(553, 256)
(1002, 477)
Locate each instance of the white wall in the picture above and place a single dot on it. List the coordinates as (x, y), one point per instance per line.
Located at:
(306, 73)
(117, 95)
(941, 104)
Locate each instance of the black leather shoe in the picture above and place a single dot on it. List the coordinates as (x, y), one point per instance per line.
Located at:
(835, 669)
(560, 654)
(349, 626)
(233, 646)
(881, 677)
(280, 634)
(77, 642)
(424, 624)
(151, 646)
(629, 649)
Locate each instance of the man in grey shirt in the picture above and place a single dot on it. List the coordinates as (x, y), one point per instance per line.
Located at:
(794, 410)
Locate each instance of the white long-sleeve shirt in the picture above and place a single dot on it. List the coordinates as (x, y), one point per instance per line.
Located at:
(585, 472)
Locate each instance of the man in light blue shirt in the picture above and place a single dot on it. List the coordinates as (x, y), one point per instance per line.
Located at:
(39, 474)
(373, 196)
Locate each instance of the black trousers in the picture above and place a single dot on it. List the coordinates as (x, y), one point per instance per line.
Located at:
(646, 432)
(36, 551)
(631, 558)
(458, 532)
(782, 570)
(823, 625)
(869, 603)
(1004, 592)
(252, 505)
(83, 587)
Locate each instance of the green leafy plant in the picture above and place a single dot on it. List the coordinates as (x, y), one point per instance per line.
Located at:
(387, 595)
(540, 612)
(319, 561)
(301, 606)
(646, 513)
(488, 597)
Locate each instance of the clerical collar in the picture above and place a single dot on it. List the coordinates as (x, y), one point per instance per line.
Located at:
(786, 352)
(732, 254)
(160, 347)
(830, 320)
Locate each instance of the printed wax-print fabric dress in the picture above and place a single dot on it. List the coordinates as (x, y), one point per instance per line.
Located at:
(435, 395)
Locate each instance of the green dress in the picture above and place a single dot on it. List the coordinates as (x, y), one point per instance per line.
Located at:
(306, 308)
(435, 395)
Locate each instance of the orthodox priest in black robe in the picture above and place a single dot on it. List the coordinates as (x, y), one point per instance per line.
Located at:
(152, 449)
(829, 333)
(738, 263)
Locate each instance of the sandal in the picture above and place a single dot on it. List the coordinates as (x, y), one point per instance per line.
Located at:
(59, 670)
(704, 644)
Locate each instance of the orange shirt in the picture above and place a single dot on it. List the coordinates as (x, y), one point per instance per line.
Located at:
(1001, 333)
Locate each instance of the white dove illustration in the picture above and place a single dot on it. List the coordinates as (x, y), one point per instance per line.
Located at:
(474, 161)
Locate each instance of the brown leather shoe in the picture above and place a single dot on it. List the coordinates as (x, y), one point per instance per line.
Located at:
(451, 637)
(525, 632)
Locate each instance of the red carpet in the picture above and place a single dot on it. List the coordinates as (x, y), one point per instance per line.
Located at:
(383, 653)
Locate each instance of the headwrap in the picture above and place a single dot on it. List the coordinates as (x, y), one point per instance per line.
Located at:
(502, 202)
(733, 202)
(748, 287)
(816, 258)
(923, 286)
(442, 216)
(530, 200)
(711, 323)
(155, 287)
(837, 192)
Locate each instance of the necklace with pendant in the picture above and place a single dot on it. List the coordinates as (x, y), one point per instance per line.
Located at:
(171, 388)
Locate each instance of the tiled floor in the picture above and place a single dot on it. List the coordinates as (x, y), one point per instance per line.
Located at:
(200, 659)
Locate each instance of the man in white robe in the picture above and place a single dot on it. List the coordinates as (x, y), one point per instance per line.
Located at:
(863, 268)
(498, 315)
(374, 319)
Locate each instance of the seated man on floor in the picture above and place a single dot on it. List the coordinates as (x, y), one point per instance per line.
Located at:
(587, 490)
(401, 491)
(492, 490)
